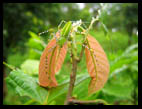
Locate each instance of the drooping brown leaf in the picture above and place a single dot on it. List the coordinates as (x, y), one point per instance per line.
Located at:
(51, 61)
(97, 64)
(60, 57)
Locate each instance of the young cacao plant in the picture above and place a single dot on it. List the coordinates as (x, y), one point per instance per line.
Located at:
(54, 54)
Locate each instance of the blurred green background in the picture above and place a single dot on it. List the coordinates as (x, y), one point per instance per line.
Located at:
(22, 47)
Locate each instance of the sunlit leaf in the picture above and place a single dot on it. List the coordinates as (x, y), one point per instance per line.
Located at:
(30, 67)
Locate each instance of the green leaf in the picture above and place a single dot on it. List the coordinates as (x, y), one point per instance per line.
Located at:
(26, 85)
(35, 42)
(33, 35)
(30, 67)
(63, 87)
(129, 56)
(118, 90)
(81, 90)
(118, 70)
(105, 29)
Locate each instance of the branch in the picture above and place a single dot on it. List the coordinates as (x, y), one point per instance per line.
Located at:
(98, 101)
(81, 54)
(73, 75)
(72, 79)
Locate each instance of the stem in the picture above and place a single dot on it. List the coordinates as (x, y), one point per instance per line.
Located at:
(98, 101)
(75, 60)
(73, 75)
(81, 54)
(72, 79)
(45, 102)
(9, 66)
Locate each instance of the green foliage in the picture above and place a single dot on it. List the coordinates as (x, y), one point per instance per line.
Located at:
(121, 68)
(128, 57)
(116, 42)
(26, 85)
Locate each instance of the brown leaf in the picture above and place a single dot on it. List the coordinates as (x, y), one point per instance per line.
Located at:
(97, 64)
(60, 57)
(51, 61)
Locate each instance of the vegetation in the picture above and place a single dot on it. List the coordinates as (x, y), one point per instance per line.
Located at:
(22, 47)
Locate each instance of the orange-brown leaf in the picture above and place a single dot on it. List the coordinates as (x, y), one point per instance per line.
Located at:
(60, 57)
(50, 59)
(97, 64)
